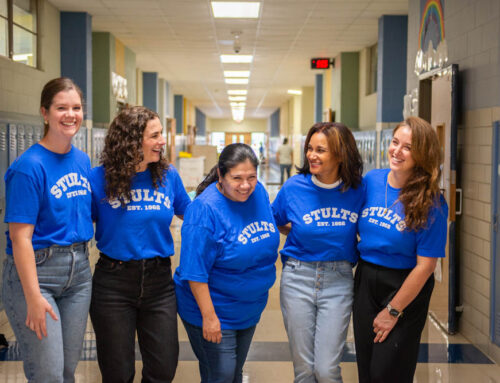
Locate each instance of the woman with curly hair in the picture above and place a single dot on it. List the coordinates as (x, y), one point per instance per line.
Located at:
(135, 194)
(318, 209)
(403, 228)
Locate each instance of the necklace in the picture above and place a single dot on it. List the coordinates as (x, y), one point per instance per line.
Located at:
(386, 187)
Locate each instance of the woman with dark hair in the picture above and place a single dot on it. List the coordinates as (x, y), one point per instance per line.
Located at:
(228, 251)
(135, 194)
(47, 269)
(318, 209)
(403, 228)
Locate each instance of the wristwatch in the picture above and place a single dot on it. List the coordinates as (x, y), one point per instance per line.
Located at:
(395, 313)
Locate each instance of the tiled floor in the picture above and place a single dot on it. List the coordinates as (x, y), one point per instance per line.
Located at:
(443, 358)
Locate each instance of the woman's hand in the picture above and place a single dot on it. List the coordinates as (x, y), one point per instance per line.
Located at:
(383, 325)
(36, 318)
(211, 329)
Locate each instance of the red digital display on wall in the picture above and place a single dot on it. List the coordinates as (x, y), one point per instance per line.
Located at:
(320, 63)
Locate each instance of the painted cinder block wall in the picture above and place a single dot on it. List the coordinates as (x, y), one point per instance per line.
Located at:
(472, 32)
(20, 85)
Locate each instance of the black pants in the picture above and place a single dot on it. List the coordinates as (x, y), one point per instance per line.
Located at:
(129, 297)
(395, 359)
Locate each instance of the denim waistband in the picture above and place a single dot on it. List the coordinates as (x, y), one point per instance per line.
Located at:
(79, 246)
(137, 262)
(315, 264)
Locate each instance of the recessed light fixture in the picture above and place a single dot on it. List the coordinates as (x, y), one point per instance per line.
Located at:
(238, 114)
(237, 98)
(294, 91)
(237, 104)
(233, 9)
(237, 92)
(236, 59)
(236, 80)
(236, 73)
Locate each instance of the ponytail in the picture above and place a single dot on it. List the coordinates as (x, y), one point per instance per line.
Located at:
(209, 179)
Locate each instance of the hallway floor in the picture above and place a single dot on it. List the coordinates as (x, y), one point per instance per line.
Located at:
(443, 358)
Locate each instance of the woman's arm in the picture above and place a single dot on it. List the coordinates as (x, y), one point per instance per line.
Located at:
(385, 322)
(24, 259)
(285, 230)
(211, 324)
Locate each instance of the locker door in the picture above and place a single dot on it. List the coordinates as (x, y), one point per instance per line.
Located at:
(12, 134)
(438, 105)
(4, 164)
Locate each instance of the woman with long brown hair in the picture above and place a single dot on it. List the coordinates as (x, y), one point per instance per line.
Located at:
(318, 209)
(403, 228)
(47, 279)
(135, 194)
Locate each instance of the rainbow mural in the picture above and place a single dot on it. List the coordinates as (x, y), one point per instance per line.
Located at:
(431, 24)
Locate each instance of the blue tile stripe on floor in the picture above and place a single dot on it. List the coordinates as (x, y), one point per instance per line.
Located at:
(279, 352)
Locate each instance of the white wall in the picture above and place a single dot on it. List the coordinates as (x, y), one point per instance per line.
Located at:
(228, 125)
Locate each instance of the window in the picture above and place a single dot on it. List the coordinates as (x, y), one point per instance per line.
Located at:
(19, 30)
(371, 78)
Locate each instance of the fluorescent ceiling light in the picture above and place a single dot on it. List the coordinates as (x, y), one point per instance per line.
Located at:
(236, 80)
(237, 98)
(237, 104)
(237, 92)
(238, 114)
(233, 9)
(236, 59)
(294, 91)
(236, 73)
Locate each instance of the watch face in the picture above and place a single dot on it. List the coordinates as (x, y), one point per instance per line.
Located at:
(394, 312)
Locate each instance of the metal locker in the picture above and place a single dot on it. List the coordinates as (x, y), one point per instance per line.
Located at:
(37, 133)
(21, 145)
(28, 136)
(12, 142)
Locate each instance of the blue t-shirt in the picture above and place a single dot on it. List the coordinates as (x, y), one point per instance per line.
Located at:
(323, 220)
(233, 247)
(140, 230)
(50, 191)
(384, 240)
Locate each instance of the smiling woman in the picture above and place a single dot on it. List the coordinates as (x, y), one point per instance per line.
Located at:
(229, 247)
(47, 269)
(318, 209)
(136, 193)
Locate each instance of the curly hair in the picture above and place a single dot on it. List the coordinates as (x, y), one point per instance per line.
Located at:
(421, 190)
(123, 153)
(343, 147)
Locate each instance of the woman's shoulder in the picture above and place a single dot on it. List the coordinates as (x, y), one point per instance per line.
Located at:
(32, 160)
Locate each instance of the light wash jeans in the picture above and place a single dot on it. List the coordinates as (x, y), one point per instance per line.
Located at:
(316, 303)
(65, 281)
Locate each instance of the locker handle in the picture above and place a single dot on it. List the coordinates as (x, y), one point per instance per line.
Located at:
(459, 201)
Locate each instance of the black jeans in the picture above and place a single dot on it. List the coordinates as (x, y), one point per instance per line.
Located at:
(395, 359)
(128, 297)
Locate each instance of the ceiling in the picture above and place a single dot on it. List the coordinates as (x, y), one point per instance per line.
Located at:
(182, 41)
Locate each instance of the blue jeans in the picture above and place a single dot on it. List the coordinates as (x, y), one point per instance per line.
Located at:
(316, 303)
(130, 297)
(65, 281)
(221, 362)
